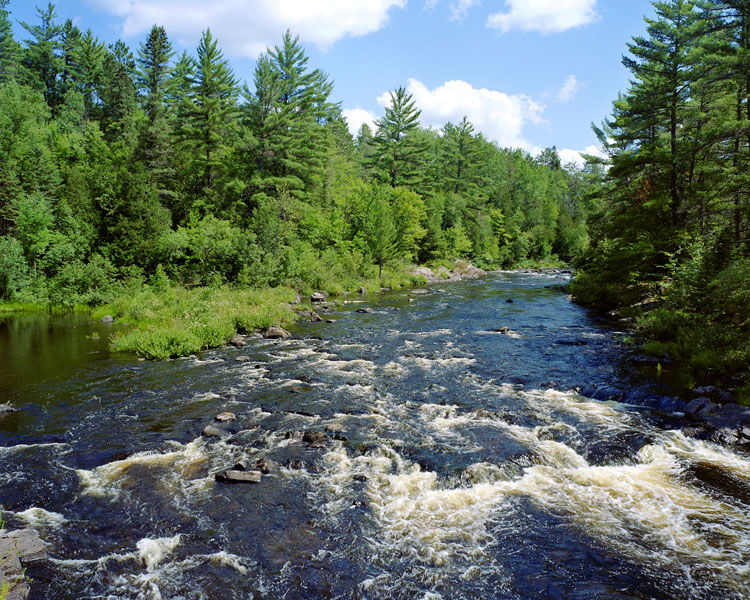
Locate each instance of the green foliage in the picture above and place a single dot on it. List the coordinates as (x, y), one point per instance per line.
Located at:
(13, 267)
(116, 169)
(176, 321)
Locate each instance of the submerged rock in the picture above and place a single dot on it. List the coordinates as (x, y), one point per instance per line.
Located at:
(366, 309)
(315, 439)
(232, 476)
(335, 428)
(242, 359)
(225, 417)
(108, 319)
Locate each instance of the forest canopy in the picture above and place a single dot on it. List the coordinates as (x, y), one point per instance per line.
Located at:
(118, 162)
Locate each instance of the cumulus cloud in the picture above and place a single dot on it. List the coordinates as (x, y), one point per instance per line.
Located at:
(356, 117)
(499, 116)
(569, 89)
(568, 156)
(248, 27)
(547, 16)
(460, 8)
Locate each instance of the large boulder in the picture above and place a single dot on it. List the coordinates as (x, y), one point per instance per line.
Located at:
(318, 297)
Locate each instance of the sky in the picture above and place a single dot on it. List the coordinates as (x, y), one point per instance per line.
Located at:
(528, 74)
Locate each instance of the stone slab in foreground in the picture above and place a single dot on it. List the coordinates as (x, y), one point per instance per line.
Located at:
(19, 549)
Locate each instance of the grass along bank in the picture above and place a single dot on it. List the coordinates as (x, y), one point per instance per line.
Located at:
(166, 320)
(169, 321)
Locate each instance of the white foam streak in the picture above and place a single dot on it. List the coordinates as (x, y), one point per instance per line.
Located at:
(39, 517)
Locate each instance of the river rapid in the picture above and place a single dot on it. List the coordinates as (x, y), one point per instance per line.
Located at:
(460, 461)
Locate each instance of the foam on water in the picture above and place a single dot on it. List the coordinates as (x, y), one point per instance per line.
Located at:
(39, 517)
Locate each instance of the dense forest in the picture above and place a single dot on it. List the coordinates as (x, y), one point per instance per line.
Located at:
(670, 244)
(124, 168)
(122, 164)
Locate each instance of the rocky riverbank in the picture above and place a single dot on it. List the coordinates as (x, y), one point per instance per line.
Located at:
(461, 271)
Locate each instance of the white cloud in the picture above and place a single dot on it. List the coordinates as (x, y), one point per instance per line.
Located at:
(460, 8)
(355, 117)
(569, 89)
(500, 117)
(547, 16)
(576, 156)
(429, 5)
(248, 27)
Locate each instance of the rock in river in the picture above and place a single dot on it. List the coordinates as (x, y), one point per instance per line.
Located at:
(213, 431)
(232, 476)
(225, 417)
(276, 333)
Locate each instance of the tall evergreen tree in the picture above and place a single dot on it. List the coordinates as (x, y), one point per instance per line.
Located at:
(41, 61)
(211, 115)
(292, 107)
(10, 50)
(398, 153)
(153, 77)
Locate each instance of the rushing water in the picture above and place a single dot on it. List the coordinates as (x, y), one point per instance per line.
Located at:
(465, 464)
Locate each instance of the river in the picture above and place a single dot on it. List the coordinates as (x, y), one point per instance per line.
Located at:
(460, 461)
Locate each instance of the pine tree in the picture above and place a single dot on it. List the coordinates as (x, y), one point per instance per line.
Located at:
(153, 77)
(41, 60)
(211, 114)
(292, 110)
(10, 50)
(398, 152)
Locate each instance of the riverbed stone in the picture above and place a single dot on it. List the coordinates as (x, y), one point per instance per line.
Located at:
(242, 359)
(266, 465)
(276, 333)
(225, 417)
(108, 319)
(318, 297)
(366, 309)
(335, 428)
(213, 431)
(700, 407)
(233, 476)
(316, 318)
(315, 439)
(238, 341)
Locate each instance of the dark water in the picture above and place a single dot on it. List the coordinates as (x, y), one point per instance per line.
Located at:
(461, 461)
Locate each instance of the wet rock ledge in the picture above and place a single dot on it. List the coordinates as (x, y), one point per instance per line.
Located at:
(19, 550)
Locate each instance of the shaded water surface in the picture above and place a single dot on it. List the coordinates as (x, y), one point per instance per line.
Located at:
(460, 462)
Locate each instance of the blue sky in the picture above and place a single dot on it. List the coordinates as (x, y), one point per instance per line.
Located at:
(527, 73)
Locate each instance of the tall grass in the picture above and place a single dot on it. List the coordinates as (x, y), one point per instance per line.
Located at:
(167, 321)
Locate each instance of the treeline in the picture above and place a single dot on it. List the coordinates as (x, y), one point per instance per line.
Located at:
(119, 164)
(674, 231)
